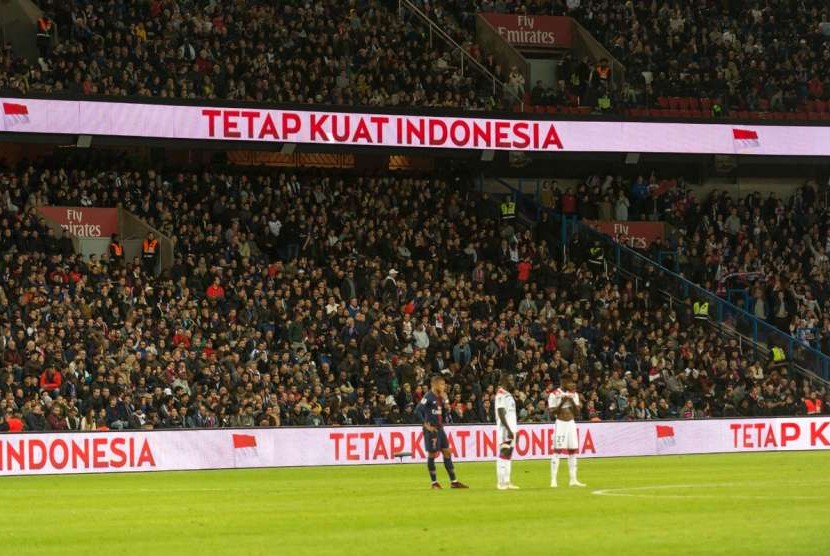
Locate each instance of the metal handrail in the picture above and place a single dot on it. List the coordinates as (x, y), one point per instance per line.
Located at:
(433, 27)
(723, 308)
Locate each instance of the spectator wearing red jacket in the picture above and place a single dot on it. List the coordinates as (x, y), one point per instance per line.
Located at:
(813, 405)
(50, 380)
(524, 267)
(215, 291)
(15, 422)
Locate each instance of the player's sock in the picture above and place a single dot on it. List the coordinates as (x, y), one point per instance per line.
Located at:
(507, 465)
(450, 468)
(500, 471)
(572, 467)
(554, 468)
(431, 466)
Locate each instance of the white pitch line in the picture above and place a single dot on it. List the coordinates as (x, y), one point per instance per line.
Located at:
(626, 492)
(128, 490)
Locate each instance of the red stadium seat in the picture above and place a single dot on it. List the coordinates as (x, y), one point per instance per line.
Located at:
(706, 103)
(694, 104)
(663, 102)
(813, 116)
(551, 109)
(820, 106)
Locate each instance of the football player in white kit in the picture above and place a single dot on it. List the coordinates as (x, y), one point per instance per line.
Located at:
(564, 404)
(505, 431)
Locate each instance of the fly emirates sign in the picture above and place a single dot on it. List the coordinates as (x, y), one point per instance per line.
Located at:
(468, 130)
(170, 450)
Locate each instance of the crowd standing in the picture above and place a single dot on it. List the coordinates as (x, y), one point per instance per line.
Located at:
(331, 298)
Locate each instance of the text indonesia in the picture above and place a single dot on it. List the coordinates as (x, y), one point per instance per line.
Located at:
(415, 131)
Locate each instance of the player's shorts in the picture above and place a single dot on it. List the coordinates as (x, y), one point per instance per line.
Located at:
(501, 436)
(564, 437)
(435, 441)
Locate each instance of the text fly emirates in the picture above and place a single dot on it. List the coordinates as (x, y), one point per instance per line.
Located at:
(363, 129)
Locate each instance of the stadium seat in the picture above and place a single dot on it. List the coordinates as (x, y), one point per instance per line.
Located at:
(663, 102)
(820, 106)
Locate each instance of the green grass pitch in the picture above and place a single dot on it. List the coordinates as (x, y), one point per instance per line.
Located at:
(773, 503)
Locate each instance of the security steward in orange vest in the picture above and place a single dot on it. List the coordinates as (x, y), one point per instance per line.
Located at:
(602, 71)
(116, 252)
(150, 254)
(44, 35)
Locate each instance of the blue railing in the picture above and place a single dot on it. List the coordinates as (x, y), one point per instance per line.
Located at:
(721, 311)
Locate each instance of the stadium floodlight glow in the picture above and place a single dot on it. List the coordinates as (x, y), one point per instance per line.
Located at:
(326, 127)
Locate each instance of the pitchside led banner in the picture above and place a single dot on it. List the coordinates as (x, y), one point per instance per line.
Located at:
(169, 450)
(164, 121)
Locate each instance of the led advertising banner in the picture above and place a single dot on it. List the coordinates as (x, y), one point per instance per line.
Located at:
(321, 127)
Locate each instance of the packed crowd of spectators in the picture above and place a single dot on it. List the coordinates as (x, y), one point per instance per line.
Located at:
(329, 52)
(331, 298)
(768, 55)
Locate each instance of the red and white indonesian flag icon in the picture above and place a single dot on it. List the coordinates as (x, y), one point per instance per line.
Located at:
(15, 114)
(745, 138)
(665, 437)
(245, 453)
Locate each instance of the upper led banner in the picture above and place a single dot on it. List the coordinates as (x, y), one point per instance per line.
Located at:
(322, 127)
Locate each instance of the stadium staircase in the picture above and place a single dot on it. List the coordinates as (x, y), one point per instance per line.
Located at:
(754, 335)
(413, 15)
